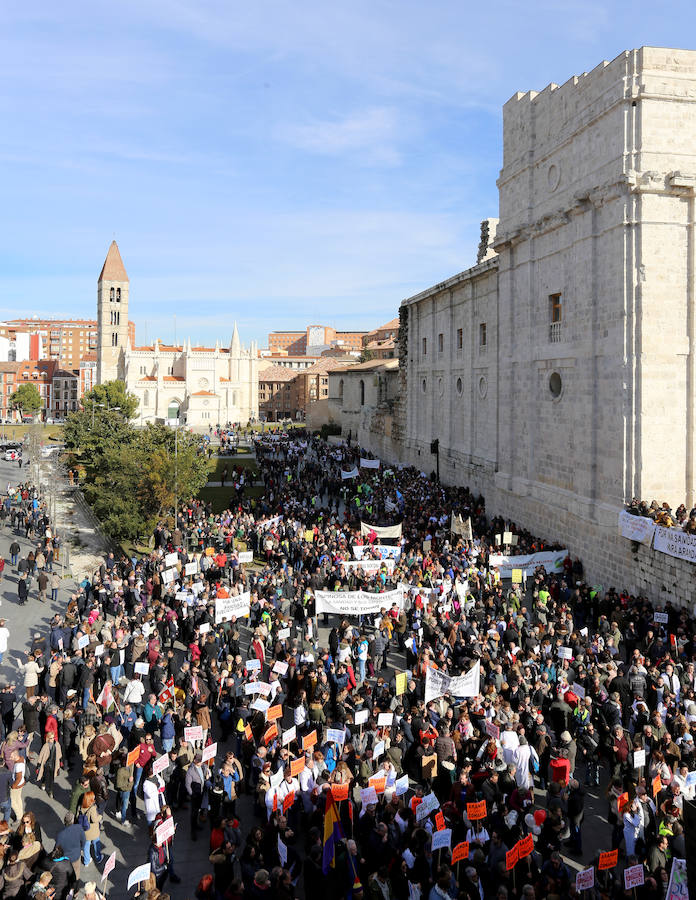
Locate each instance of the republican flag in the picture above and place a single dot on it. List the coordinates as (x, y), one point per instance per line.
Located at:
(167, 693)
(105, 698)
(332, 834)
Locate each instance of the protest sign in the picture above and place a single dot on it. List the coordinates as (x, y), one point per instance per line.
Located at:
(460, 852)
(525, 846)
(638, 758)
(141, 668)
(280, 667)
(109, 867)
(678, 887)
(227, 607)
(288, 800)
(401, 785)
(634, 876)
(378, 750)
(385, 720)
(193, 733)
(607, 860)
(492, 730)
(339, 792)
(368, 795)
(551, 560)
(245, 556)
(165, 831)
(83, 641)
(275, 712)
(511, 858)
(442, 840)
(209, 752)
(361, 716)
(171, 559)
(584, 881)
(662, 618)
(337, 735)
(142, 873)
(309, 740)
(282, 852)
(191, 568)
(476, 811)
(253, 665)
(204, 628)
(160, 764)
(289, 735)
(356, 603)
(297, 766)
(401, 683)
(132, 757)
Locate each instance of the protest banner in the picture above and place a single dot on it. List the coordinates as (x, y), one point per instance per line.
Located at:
(675, 542)
(678, 887)
(356, 603)
(382, 531)
(245, 556)
(275, 712)
(460, 852)
(297, 766)
(193, 733)
(385, 552)
(437, 684)
(270, 734)
(288, 800)
(371, 566)
(551, 560)
(379, 783)
(492, 730)
(525, 846)
(511, 858)
(636, 528)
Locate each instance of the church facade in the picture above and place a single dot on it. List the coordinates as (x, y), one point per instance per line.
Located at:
(196, 386)
(559, 373)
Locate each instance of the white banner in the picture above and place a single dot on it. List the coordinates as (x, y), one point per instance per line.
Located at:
(245, 556)
(382, 531)
(369, 566)
(384, 551)
(356, 603)
(269, 523)
(636, 528)
(675, 542)
(353, 473)
(552, 561)
(369, 463)
(437, 684)
(226, 607)
(459, 526)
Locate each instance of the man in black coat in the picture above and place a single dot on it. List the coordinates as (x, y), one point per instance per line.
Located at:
(72, 840)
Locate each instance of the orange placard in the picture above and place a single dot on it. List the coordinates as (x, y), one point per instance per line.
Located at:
(288, 800)
(274, 712)
(297, 766)
(309, 740)
(461, 851)
(275, 802)
(133, 756)
(525, 846)
(379, 784)
(439, 821)
(210, 551)
(511, 858)
(339, 792)
(608, 859)
(270, 734)
(476, 811)
(622, 802)
(248, 734)
(656, 785)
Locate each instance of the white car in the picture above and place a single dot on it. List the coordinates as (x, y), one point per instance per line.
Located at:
(12, 455)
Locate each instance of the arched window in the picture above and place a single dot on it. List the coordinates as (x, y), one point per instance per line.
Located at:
(111, 295)
(173, 410)
(340, 389)
(118, 295)
(362, 393)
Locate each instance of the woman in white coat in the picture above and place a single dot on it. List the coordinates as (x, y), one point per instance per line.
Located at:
(632, 827)
(522, 757)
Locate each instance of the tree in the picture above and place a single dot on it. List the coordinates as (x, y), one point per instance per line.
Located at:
(111, 395)
(27, 398)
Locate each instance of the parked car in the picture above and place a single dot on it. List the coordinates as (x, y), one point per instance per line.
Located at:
(12, 455)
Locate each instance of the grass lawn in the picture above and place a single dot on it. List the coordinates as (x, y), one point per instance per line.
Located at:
(17, 432)
(220, 497)
(217, 464)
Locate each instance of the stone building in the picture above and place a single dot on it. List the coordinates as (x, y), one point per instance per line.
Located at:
(559, 373)
(198, 386)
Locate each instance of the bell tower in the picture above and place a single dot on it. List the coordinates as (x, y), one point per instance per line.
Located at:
(112, 315)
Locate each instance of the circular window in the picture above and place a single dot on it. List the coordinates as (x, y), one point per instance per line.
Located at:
(555, 385)
(440, 387)
(459, 385)
(483, 386)
(202, 383)
(424, 385)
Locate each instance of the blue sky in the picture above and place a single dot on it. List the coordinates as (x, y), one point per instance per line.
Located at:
(276, 163)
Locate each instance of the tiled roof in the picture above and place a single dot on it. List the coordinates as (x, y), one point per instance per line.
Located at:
(113, 268)
(277, 373)
(204, 394)
(172, 378)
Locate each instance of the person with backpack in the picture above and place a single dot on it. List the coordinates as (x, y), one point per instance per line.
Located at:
(90, 820)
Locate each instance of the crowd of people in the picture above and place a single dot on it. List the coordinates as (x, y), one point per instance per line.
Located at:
(438, 739)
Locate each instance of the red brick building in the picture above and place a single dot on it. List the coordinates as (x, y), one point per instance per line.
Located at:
(313, 340)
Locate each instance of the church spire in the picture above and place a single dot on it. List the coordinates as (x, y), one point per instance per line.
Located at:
(235, 343)
(113, 268)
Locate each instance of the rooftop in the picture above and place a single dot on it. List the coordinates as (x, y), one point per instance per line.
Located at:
(113, 268)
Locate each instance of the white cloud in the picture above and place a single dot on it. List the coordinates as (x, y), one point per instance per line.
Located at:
(371, 132)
